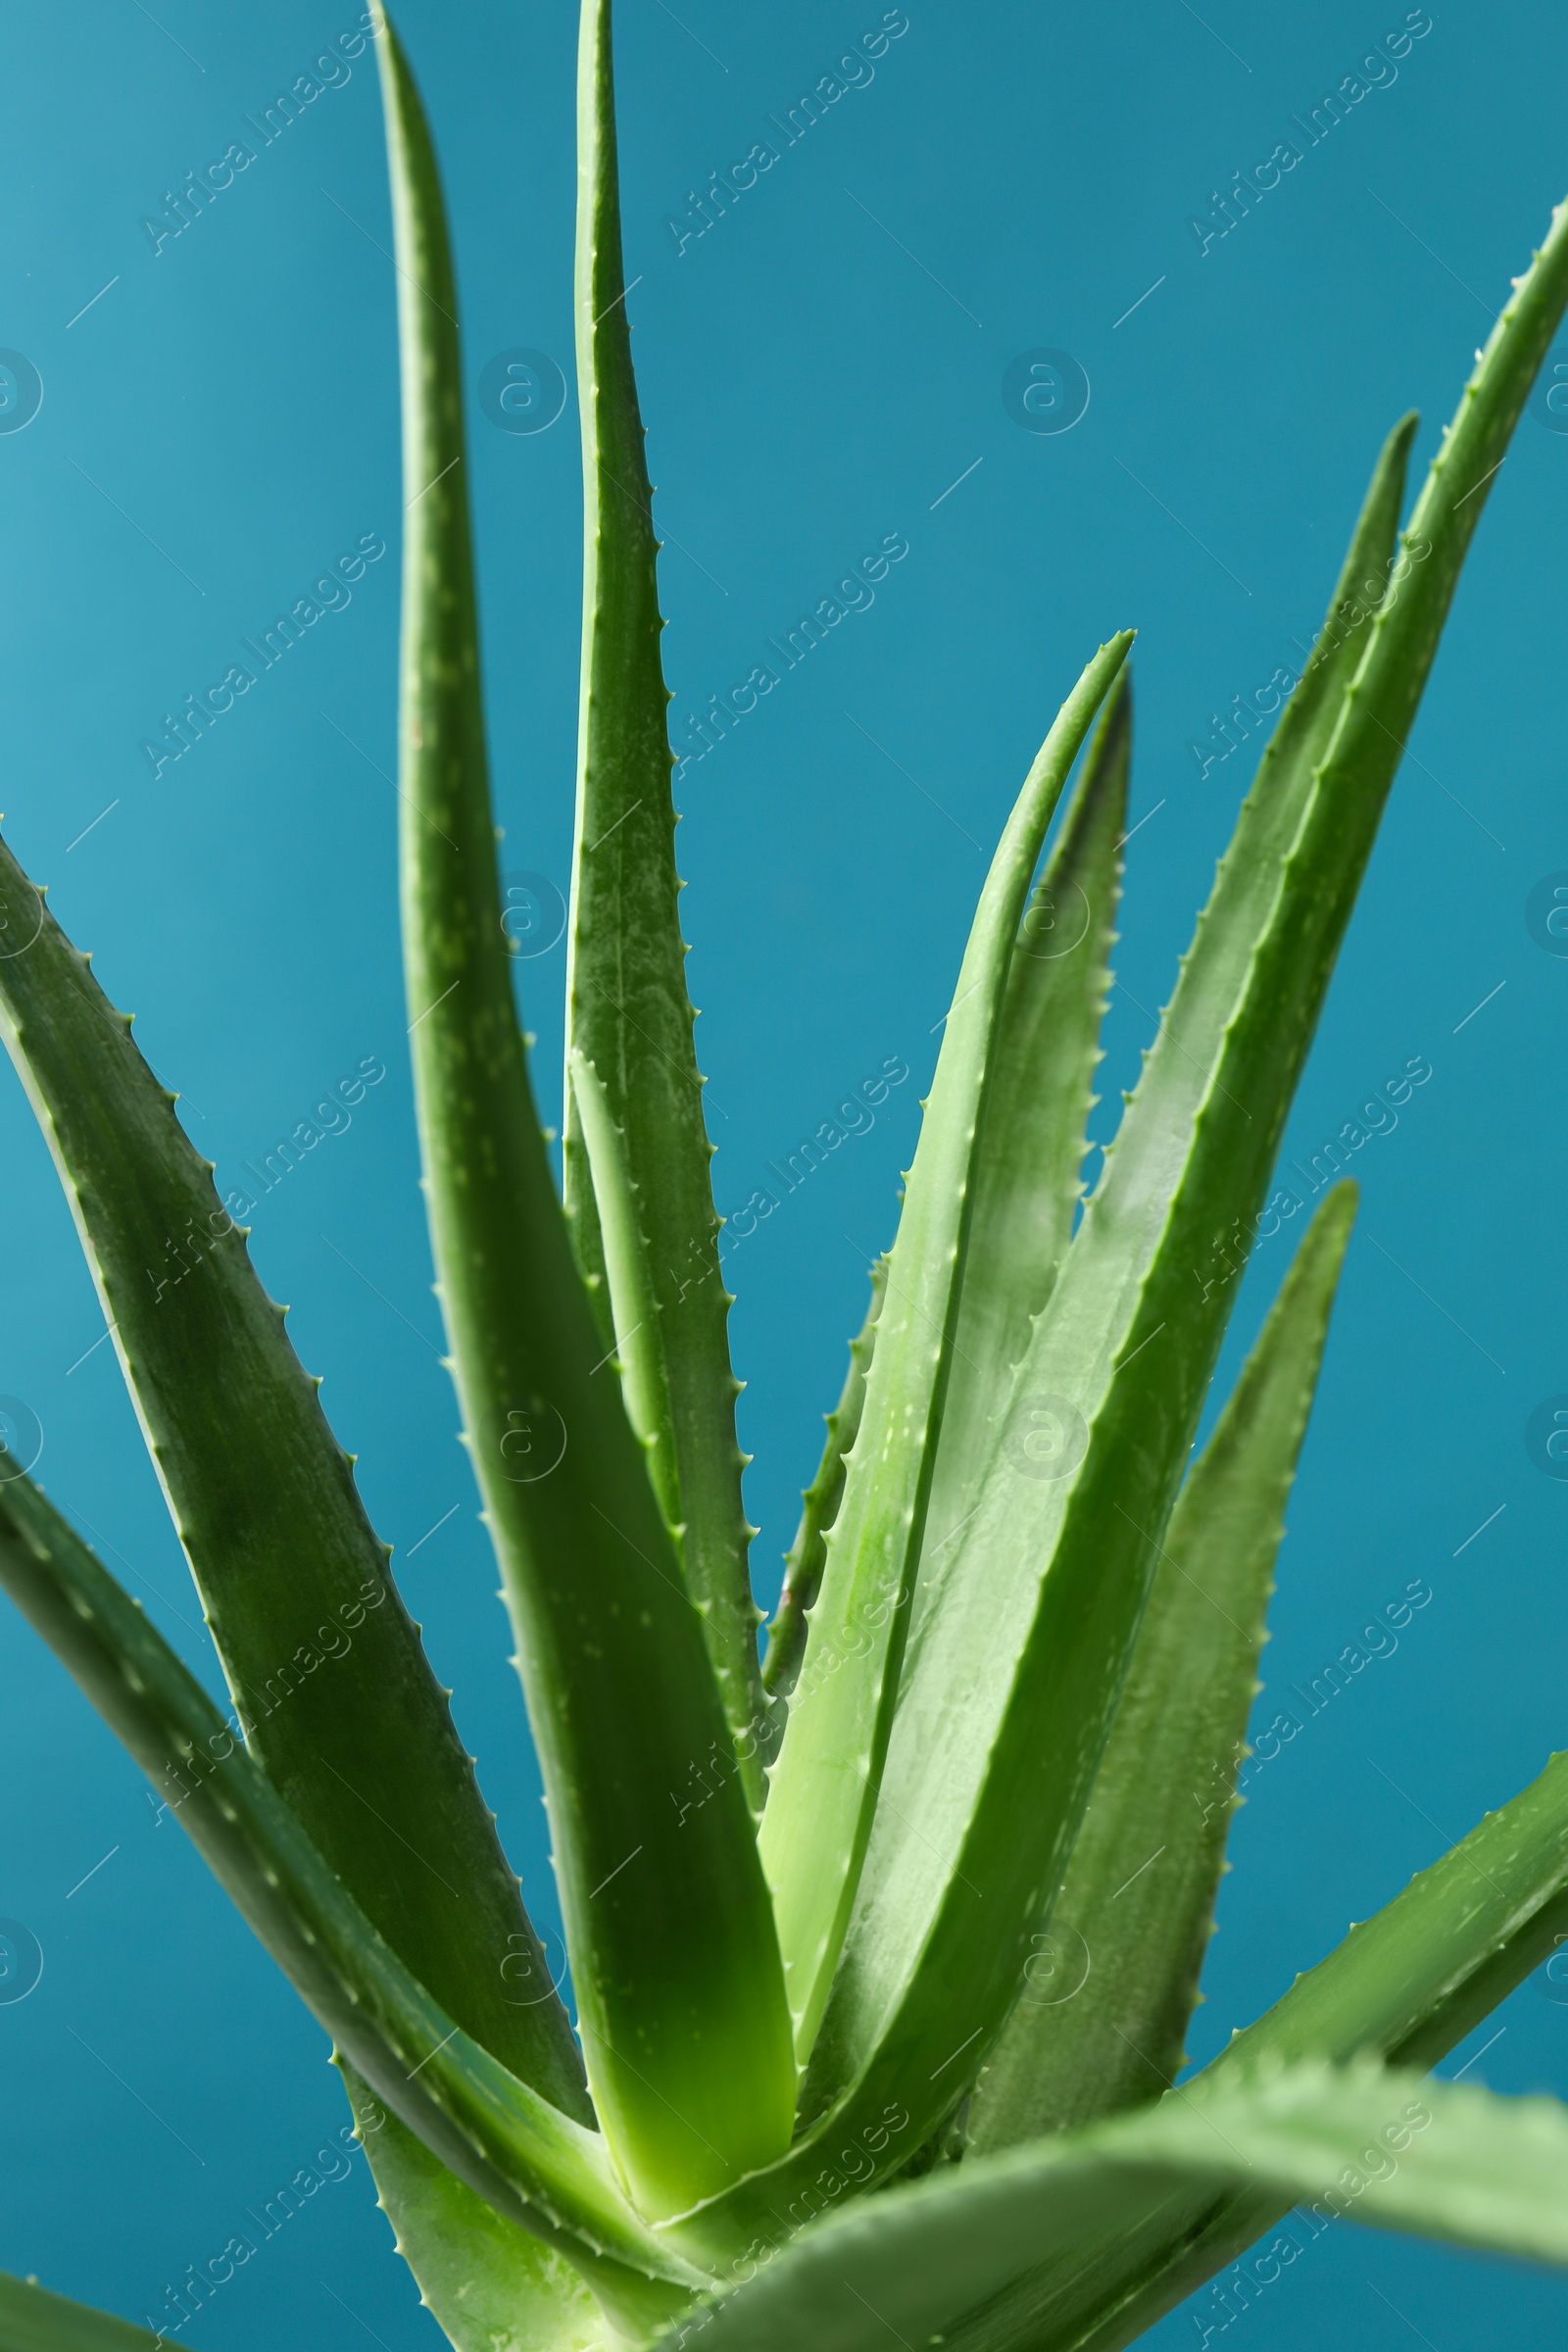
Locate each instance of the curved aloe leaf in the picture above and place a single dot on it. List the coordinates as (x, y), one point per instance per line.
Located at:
(330, 1684)
(674, 1959)
(491, 2286)
(1028, 1167)
(1106, 2025)
(532, 2163)
(1394, 2150)
(1405, 1987)
(627, 1008)
(824, 1784)
(819, 1505)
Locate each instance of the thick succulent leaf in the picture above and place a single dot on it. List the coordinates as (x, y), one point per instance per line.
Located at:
(1395, 2150)
(674, 1959)
(1405, 1985)
(516, 2150)
(491, 2286)
(1063, 1544)
(1028, 1167)
(330, 1684)
(823, 1787)
(1347, 787)
(1075, 1477)
(1102, 2022)
(627, 1008)
(819, 1505)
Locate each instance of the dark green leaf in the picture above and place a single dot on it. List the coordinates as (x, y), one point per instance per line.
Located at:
(532, 2163)
(674, 1959)
(32, 2320)
(329, 1682)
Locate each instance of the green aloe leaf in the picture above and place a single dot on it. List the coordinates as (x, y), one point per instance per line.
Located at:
(1404, 1986)
(32, 2320)
(634, 1309)
(1395, 2151)
(1028, 1168)
(820, 1504)
(628, 1013)
(1059, 1551)
(490, 2284)
(674, 1958)
(329, 1683)
(1105, 2025)
(1061, 1547)
(1332, 831)
(508, 2143)
(979, 1802)
(824, 1784)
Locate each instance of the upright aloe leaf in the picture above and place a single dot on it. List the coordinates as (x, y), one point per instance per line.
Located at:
(674, 1958)
(1027, 1176)
(1105, 2025)
(1059, 1552)
(627, 1008)
(1391, 2150)
(330, 1686)
(824, 1786)
(819, 1505)
(504, 2139)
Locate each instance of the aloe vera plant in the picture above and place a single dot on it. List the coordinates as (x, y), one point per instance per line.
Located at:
(1021, 1626)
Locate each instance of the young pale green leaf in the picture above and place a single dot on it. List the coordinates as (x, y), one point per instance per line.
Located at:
(824, 1784)
(329, 1682)
(674, 1958)
(491, 2286)
(515, 2150)
(1031, 1154)
(1397, 2151)
(1083, 1468)
(819, 1505)
(1103, 2019)
(627, 1008)
(32, 2320)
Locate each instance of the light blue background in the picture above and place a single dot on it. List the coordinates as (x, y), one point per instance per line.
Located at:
(221, 423)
